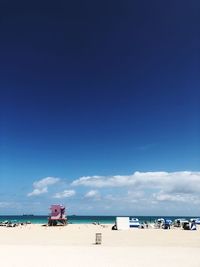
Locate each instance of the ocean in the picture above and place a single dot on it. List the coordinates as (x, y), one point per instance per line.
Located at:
(73, 219)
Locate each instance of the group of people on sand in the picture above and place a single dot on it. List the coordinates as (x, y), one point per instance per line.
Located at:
(13, 224)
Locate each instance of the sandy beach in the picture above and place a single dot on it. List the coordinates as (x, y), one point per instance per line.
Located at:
(74, 245)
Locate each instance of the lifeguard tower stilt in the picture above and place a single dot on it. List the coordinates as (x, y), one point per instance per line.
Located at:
(57, 215)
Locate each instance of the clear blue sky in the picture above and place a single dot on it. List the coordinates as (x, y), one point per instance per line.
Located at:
(98, 89)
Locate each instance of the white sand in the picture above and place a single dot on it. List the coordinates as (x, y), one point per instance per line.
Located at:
(73, 245)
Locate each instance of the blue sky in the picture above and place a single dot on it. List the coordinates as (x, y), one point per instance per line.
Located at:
(100, 108)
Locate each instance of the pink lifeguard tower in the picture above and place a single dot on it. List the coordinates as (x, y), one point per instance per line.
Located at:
(57, 215)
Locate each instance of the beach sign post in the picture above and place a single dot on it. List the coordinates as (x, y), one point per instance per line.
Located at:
(98, 238)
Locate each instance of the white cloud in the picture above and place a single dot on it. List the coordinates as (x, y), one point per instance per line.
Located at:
(37, 191)
(65, 194)
(92, 194)
(138, 193)
(167, 197)
(41, 186)
(174, 181)
(152, 187)
(161, 196)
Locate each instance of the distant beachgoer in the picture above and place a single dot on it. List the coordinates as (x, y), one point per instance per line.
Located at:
(193, 226)
(114, 227)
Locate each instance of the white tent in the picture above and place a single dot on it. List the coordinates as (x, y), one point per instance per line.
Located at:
(122, 223)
